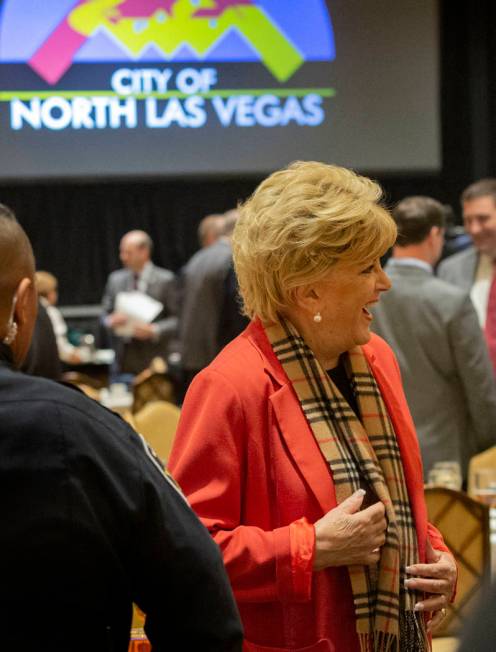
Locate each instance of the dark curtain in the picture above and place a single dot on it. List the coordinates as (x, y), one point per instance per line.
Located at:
(76, 227)
(468, 92)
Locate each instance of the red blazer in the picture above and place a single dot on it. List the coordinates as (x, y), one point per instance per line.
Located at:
(247, 460)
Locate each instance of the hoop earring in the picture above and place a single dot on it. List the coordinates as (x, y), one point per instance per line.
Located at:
(11, 333)
(317, 318)
(11, 325)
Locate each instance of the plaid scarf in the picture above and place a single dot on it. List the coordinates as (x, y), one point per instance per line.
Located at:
(358, 450)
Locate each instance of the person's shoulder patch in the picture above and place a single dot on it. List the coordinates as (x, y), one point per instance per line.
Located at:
(157, 463)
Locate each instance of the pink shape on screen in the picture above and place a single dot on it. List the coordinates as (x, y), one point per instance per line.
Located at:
(55, 55)
(222, 5)
(142, 8)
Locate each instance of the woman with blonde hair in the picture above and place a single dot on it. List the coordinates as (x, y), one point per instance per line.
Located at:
(296, 447)
(47, 288)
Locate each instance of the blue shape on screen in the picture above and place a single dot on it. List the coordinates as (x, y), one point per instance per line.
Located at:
(231, 43)
(25, 25)
(314, 38)
(185, 53)
(101, 47)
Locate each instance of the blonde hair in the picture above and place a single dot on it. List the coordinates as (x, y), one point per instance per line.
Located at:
(298, 223)
(45, 283)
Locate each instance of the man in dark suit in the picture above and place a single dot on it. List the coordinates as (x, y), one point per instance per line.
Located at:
(210, 314)
(433, 329)
(91, 522)
(42, 358)
(135, 351)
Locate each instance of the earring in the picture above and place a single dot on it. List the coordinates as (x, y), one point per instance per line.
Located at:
(317, 318)
(11, 333)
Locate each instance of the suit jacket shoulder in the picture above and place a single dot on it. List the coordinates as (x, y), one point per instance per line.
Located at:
(425, 291)
(118, 277)
(161, 274)
(217, 256)
(460, 268)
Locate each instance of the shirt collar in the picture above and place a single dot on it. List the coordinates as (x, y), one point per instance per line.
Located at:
(410, 262)
(146, 271)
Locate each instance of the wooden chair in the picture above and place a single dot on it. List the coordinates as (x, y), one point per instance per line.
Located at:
(157, 422)
(86, 384)
(128, 416)
(464, 524)
(152, 384)
(484, 460)
(80, 378)
(445, 644)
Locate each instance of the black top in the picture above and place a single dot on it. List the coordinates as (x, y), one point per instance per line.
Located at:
(90, 523)
(340, 379)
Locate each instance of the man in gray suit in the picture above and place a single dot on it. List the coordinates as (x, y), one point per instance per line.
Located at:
(135, 352)
(473, 268)
(433, 329)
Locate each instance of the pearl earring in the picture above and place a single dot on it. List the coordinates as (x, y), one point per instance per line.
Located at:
(11, 333)
(317, 318)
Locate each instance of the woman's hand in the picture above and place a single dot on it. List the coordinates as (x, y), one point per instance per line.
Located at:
(346, 536)
(436, 578)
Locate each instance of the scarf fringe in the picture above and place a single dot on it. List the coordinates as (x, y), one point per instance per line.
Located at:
(413, 632)
(379, 642)
(413, 637)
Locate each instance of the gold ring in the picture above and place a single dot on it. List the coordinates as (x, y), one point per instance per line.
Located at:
(443, 611)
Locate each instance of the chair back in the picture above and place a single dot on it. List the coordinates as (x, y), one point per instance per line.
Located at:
(157, 422)
(152, 384)
(128, 417)
(79, 378)
(90, 386)
(484, 460)
(464, 524)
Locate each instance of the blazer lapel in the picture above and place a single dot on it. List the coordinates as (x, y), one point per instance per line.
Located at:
(303, 447)
(293, 426)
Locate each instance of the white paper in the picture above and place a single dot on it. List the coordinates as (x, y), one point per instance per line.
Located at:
(138, 307)
(103, 356)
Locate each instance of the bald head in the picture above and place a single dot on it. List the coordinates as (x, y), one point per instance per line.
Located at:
(16, 261)
(18, 301)
(138, 238)
(135, 250)
(210, 229)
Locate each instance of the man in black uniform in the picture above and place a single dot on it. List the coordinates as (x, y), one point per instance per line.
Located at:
(90, 522)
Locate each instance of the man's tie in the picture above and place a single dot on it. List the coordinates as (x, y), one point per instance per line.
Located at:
(490, 328)
(135, 281)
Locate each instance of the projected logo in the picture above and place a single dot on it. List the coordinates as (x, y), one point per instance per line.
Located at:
(162, 63)
(167, 25)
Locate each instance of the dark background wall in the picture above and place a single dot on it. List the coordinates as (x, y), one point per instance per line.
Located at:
(75, 227)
